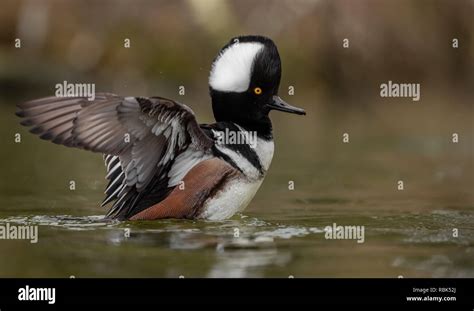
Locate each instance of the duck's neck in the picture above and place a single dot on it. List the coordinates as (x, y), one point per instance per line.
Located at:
(263, 127)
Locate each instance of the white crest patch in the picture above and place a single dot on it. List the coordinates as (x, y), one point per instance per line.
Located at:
(232, 69)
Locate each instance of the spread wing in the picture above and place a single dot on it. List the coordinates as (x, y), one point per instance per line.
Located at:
(139, 137)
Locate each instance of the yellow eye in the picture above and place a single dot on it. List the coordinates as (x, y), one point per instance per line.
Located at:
(257, 90)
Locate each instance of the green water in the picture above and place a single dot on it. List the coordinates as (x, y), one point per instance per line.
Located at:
(408, 232)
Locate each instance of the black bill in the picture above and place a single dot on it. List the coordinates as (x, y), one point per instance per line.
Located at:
(280, 104)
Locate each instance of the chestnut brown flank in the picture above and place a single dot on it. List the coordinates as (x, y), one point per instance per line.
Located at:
(200, 183)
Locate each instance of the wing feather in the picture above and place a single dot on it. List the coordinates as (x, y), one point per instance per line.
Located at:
(139, 137)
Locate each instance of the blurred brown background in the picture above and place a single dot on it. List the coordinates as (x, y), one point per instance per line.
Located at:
(173, 44)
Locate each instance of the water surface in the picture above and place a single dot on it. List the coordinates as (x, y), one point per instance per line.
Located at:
(408, 232)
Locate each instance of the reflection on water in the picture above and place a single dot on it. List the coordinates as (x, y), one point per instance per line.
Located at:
(264, 248)
(247, 263)
(235, 256)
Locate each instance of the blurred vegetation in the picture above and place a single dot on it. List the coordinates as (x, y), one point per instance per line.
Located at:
(173, 43)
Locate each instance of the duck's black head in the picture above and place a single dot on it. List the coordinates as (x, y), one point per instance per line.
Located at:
(244, 82)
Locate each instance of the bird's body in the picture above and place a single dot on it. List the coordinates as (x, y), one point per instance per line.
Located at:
(160, 162)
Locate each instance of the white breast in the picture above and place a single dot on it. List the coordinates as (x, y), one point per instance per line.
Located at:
(237, 193)
(234, 198)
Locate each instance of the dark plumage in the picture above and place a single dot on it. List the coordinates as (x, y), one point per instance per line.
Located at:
(151, 145)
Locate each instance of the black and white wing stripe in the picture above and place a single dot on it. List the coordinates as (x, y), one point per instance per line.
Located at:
(115, 175)
(139, 137)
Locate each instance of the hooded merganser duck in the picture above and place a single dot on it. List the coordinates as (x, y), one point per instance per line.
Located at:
(160, 162)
